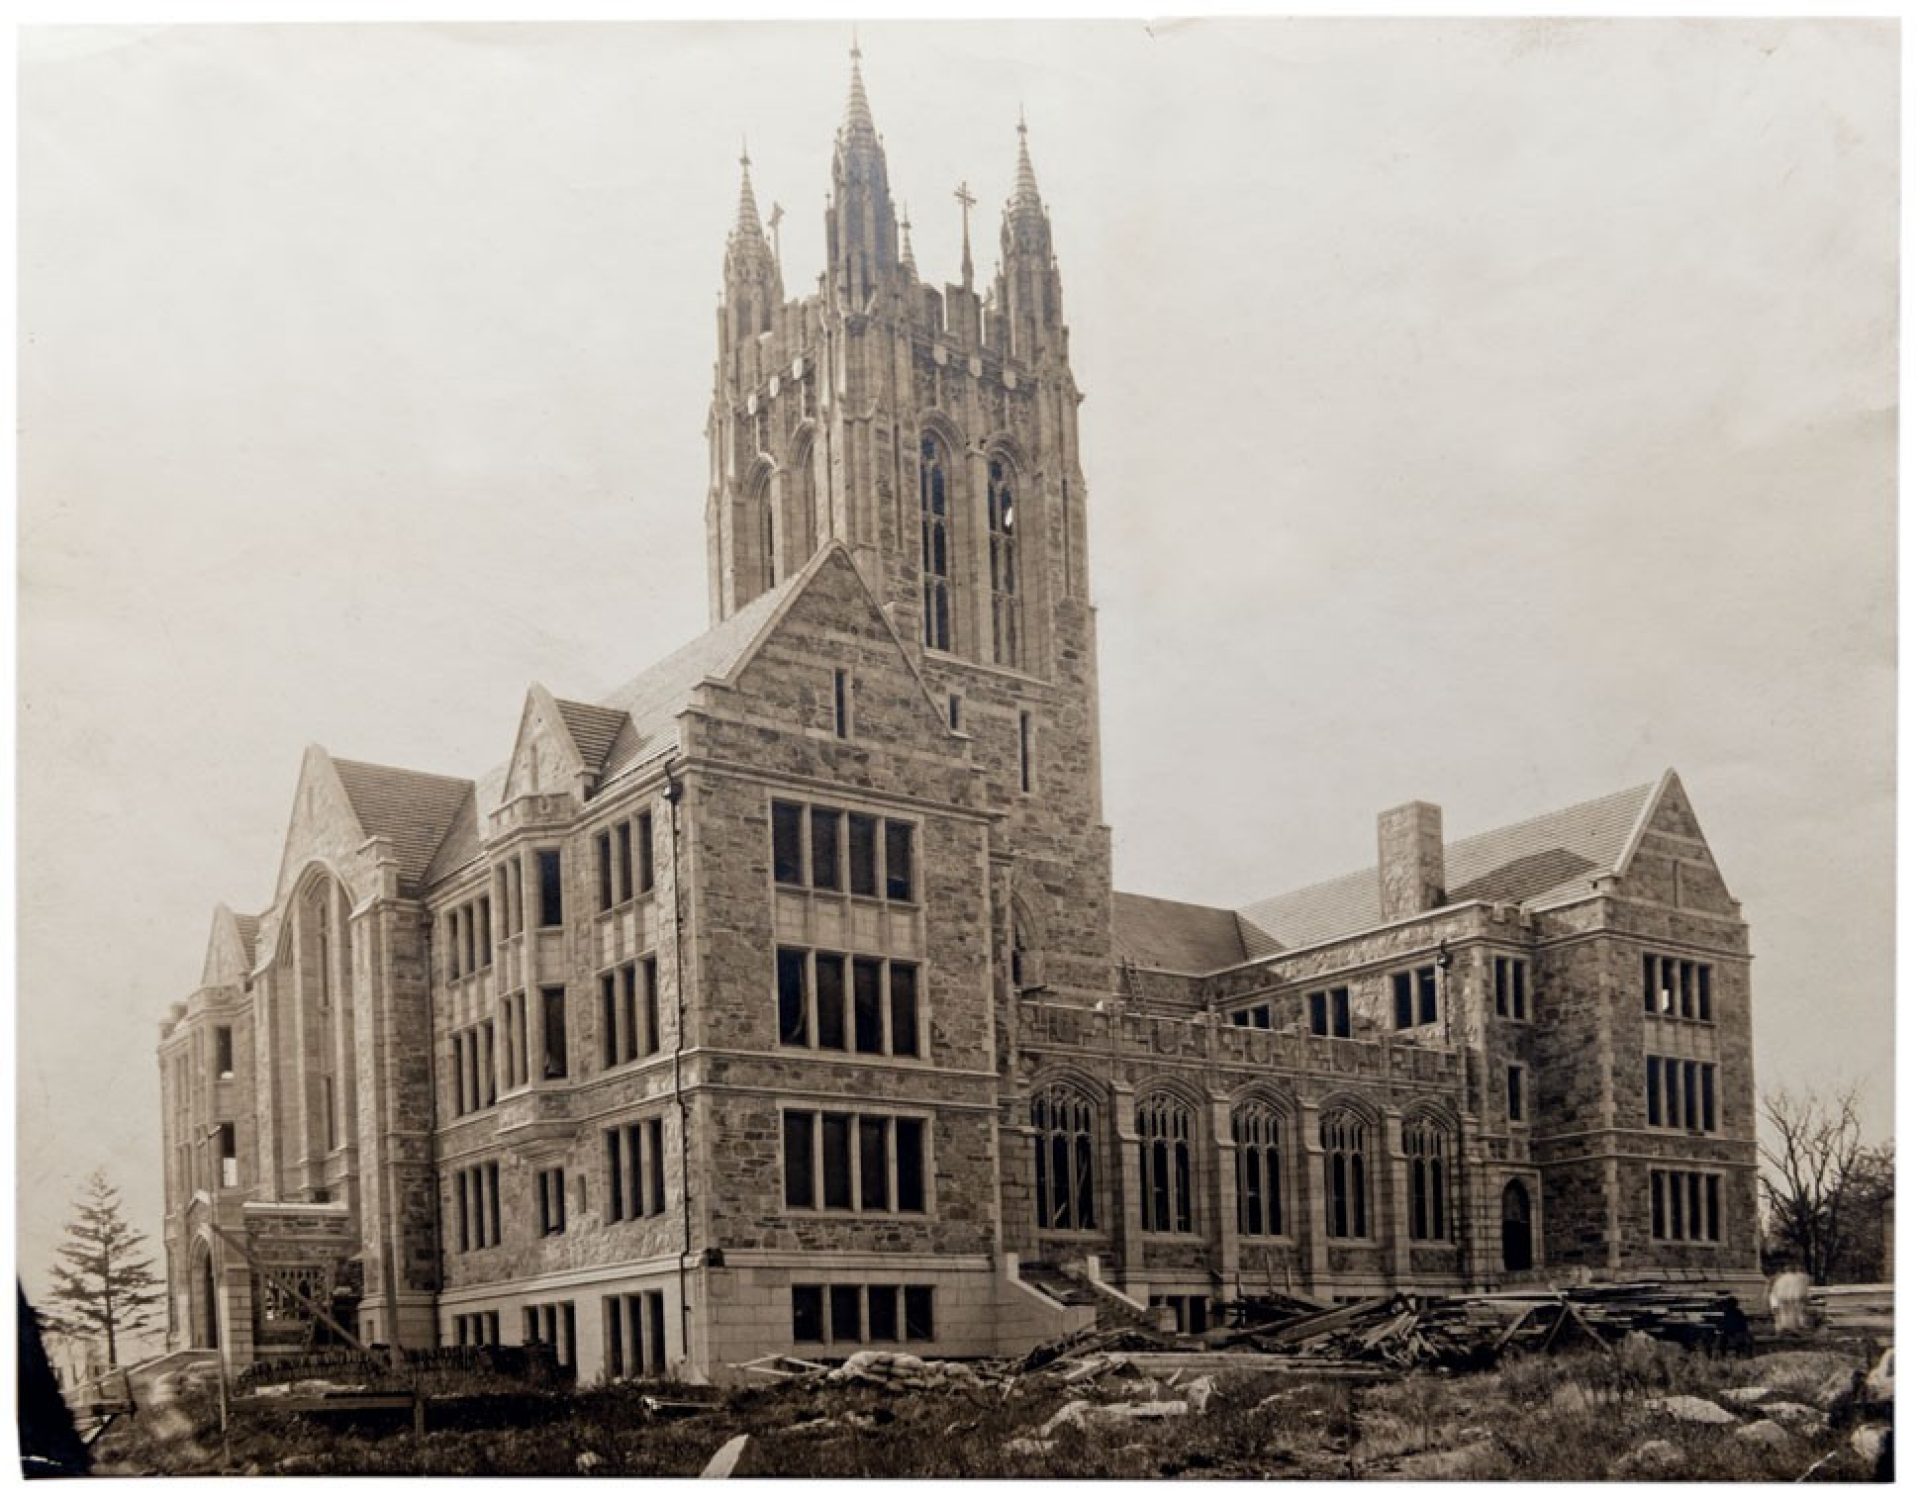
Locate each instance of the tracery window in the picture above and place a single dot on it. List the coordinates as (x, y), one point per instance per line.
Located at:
(1259, 1166)
(1343, 1137)
(1063, 1160)
(1003, 563)
(1165, 1128)
(936, 548)
(1426, 1151)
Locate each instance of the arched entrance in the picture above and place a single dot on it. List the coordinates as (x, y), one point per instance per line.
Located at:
(204, 1307)
(1516, 1228)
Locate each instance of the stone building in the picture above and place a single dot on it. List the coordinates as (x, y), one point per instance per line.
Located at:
(780, 1000)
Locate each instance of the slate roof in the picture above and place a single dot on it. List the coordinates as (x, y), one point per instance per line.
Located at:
(655, 697)
(1536, 862)
(1174, 936)
(249, 928)
(461, 845)
(594, 730)
(411, 809)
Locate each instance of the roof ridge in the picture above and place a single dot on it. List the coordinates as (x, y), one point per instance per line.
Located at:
(1641, 791)
(369, 764)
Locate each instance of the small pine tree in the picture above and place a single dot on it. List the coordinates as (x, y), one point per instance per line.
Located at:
(104, 1286)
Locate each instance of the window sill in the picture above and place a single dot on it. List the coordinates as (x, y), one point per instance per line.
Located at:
(1080, 1235)
(878, 902)
(631, 1064)
(863, 1058)
(851, 1214)
(612, 910)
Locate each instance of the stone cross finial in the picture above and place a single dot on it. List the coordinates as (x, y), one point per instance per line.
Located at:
(966, 200)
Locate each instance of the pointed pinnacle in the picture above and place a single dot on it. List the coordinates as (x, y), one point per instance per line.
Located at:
(859, 112)
(749, 219)
(1026, 187)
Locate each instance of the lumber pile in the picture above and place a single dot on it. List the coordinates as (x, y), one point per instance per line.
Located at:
(1854, 1308)
(1465, 1331)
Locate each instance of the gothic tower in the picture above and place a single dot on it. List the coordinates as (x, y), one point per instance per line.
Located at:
(934, 431)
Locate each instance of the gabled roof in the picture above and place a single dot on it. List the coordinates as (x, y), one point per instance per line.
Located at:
(593, 729)
(410, 809)
(461, 845)
(658, 695)
(1175, 937)
(249, 928)
(1537, 862)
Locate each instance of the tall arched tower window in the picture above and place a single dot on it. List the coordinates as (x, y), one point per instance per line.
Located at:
(1003, 563)
(763, 505)
(1426, 1151)
(1343, 1136)
(1063, 1160)
(1259, 1163)
(936, 547)
(1166, 1165)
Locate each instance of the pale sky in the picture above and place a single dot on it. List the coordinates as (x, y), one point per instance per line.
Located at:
(1494, 413)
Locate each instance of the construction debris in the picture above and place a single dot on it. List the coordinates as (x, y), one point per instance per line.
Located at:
(723, 1461)
(1464, 1331)
(902, 1370)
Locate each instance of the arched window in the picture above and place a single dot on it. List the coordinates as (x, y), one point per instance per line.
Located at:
(1343, 1137)
(769, 571)
(1063, 1159)
(802, 510)
(1259, 1168)
(1003, 563)
(936, 548)
(1166, 1165)
(1426, 1150)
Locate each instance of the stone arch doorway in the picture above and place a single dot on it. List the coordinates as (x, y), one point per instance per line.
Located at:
(1516, 1228)
(204, 1307)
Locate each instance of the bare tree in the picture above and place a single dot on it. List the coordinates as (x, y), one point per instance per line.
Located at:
(1816, 1169)
(104, 1285)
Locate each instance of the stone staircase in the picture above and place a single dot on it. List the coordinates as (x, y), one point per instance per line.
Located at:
(1073, 1286)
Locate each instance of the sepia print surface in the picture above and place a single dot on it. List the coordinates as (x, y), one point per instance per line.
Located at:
(780, 802)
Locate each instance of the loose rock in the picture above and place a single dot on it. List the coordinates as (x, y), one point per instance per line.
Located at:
(1765, 1433)
(1691, 1407)
(1648, 1457)
(1871, 1441)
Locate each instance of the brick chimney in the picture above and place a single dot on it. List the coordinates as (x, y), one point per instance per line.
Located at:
(1413, 861)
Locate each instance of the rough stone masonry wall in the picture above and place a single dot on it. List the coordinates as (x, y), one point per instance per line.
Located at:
(774, 737)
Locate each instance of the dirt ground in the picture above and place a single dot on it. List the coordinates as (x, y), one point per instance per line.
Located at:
(1633, 1412)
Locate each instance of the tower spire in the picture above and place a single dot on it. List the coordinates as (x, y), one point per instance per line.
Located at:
(906, 245)
(748, 219)
(1026, 187)
(863, 241)
(859, 112)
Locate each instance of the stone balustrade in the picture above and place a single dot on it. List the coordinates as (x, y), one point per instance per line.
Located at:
(1207, 1039)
